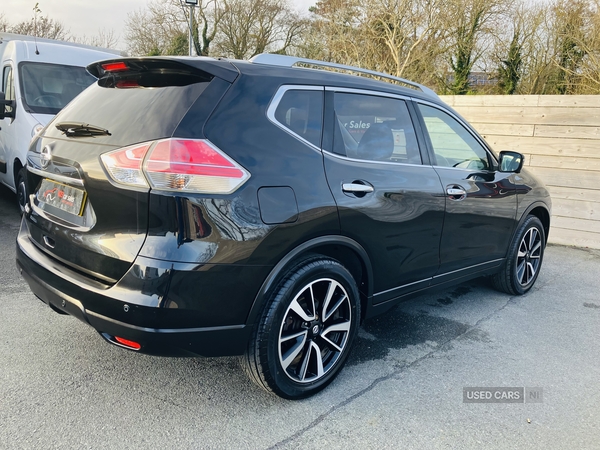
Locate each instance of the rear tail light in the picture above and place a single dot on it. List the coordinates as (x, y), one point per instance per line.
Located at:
(125, 165)
(176, 165)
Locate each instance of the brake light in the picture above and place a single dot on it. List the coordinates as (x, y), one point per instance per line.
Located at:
(176, 165)
(115, 67)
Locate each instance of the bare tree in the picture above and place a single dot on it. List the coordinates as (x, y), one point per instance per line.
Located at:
(470, 23)
(404, 32)
(4, 24)
(572, 31)
(250, 27)
(334, 33)
(161, 27)
(561, 55)
(590, 65)
(105, 38)
(513, 46)
(39, 26)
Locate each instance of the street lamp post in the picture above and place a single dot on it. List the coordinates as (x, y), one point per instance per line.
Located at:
(192, 4)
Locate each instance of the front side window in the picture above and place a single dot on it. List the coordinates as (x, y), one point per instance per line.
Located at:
(453, 144)
(8, 86)
(47, 88)
(374, 128)
(301, 112)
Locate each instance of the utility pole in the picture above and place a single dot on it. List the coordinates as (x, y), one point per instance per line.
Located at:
(192, 4)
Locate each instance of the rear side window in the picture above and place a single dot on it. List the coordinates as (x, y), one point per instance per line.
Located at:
(301, 112)
(374, 128)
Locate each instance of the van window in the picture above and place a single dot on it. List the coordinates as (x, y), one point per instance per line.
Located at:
(47, 88)
(8, 86)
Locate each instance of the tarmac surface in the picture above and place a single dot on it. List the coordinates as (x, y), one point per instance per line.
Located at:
(62, 386)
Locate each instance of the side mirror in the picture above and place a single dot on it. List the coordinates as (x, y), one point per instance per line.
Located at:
(511, 162)
(7, 108)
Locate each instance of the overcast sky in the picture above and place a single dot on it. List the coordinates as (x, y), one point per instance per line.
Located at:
(87, 17)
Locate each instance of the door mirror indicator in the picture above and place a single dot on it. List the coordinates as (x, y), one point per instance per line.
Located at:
(510, 162)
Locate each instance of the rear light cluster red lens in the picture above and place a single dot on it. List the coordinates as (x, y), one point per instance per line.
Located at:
(177, 165)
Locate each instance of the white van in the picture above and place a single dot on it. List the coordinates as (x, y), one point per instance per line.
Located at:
(39, 77)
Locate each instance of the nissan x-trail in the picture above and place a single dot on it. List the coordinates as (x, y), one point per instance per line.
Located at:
(199, 206)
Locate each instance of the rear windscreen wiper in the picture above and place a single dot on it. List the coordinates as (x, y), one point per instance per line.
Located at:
(78, 129)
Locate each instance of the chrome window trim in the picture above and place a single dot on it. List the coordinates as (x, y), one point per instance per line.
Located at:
(387, 163)
(275, 103)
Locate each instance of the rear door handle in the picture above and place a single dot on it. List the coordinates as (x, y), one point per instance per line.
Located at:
(456, 192)
(355, 188)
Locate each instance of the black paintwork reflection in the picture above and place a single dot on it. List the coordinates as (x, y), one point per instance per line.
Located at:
(399, 224)
(193, 295)
(479, 227)
(202, 230)
(120, 220)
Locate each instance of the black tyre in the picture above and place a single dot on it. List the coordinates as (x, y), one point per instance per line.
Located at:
(306, 330)
(21, 187)
(524, 259)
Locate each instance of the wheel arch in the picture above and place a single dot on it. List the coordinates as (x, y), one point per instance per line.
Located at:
(542, 212)
(17, 166)
(340, 248)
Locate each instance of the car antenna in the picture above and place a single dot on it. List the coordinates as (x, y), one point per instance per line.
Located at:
(36, 10)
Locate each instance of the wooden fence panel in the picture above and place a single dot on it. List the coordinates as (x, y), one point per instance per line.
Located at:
(560, 137)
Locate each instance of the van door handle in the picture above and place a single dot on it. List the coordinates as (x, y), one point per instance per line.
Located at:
(356, 188)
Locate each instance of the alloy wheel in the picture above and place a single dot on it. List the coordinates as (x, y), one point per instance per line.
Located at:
(529, 256)
(315, 330)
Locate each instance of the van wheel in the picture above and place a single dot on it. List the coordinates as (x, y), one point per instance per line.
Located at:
(306, 332)
(21, 189)
(524, 260)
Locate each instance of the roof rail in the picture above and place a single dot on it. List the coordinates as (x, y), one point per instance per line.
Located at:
(290, 61)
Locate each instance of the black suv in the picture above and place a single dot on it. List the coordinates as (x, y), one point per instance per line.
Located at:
(197, 206)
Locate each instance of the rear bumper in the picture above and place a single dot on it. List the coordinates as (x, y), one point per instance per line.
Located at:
(125, 310)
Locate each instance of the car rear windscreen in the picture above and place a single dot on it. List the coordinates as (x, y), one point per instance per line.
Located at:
(131, 113)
